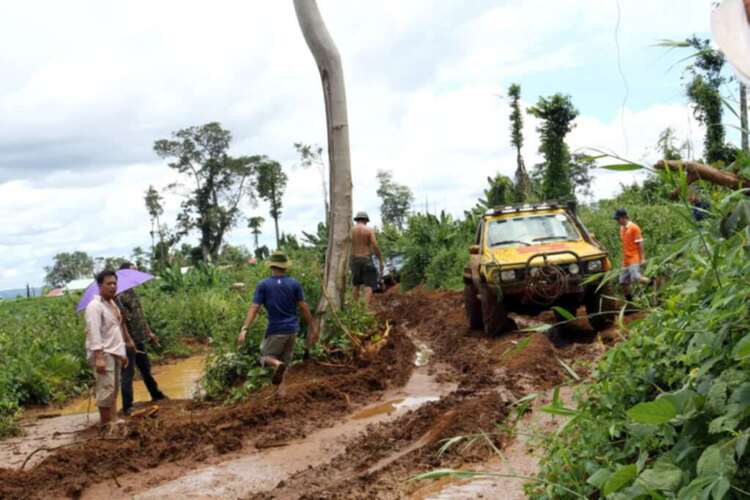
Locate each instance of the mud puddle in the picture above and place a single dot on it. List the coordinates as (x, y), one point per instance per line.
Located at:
(51, 427)
(178, 380)
(256, 471)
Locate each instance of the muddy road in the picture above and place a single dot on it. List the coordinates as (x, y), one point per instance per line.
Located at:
(339, 431)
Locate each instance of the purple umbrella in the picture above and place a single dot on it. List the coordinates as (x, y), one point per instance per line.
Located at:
(126, 279)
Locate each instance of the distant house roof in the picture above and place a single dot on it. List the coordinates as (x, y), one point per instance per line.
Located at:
(56, 292)
(77, 285)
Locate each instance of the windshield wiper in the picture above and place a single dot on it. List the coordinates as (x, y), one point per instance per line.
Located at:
(546, 238)
(505, 242)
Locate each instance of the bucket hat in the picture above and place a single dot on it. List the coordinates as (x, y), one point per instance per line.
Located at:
(362, 216)
(280, 260)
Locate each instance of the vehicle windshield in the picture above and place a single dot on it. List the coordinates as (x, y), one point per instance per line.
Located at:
(532, 230)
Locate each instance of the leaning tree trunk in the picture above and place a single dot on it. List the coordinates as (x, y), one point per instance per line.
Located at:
(700, 172)
(743, 118)
(340, 179)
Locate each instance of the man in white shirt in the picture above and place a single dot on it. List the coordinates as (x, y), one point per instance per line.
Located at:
(106, 343)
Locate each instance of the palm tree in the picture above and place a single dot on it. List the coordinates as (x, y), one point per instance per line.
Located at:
(255, 224)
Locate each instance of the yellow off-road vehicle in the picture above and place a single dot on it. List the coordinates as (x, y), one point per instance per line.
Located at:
(531, 258)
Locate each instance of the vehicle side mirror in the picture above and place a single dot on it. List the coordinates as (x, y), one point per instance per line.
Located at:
(474, 249)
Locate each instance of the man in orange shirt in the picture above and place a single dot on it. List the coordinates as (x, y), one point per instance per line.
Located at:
(633, 256)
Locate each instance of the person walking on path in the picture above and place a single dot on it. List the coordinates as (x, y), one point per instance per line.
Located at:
(281, 296)
(364, 245)
(107, 343)
(633, 255)
(139, 330)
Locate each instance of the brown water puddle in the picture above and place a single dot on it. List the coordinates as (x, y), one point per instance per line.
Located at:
(178, 380)
(51, 427)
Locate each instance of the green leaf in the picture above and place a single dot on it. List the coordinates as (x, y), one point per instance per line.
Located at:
(564, 313)
(742, 349)
(599, 478)
(716, 460)
(621, 167)
(725, 423)
(621, 478)
(741, 445)
(741, 395)
(450, 442)
(720, 487)
(441, 473)
(664, 476)
(655, 412)
(538, 328)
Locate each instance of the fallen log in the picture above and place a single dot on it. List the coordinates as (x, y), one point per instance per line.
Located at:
(702, 172)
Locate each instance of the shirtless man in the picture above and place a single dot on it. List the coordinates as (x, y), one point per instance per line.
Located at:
(363, 246)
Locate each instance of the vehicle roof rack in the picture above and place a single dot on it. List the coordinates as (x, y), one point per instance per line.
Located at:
(524, 207)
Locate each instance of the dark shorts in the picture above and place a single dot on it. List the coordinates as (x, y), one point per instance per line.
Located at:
(279, 346)
(364, 272)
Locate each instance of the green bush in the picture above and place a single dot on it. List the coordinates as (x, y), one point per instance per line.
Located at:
(232, 373)
(446, 270)
(434, 248)
(668, 413)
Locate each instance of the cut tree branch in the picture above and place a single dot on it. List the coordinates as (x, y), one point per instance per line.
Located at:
(701, 172)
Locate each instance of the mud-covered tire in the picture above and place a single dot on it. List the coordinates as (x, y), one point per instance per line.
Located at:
(494, 315)
(600, 309)
(473, 307)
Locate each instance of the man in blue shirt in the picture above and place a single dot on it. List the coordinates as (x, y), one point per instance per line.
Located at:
(280, 295)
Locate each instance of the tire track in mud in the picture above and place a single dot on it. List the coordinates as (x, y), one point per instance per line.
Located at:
(490, 375)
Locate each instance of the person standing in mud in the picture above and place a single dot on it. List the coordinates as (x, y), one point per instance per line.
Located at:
(281, 296)
(106, 345)
(364, 245)
(633, 255)
(139, 330)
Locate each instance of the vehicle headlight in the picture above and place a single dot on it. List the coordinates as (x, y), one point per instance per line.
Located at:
(574, 269)
(508, 275)
(594, 266)
(534, 271)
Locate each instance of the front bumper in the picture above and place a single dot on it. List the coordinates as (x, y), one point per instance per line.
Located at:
(569, 277)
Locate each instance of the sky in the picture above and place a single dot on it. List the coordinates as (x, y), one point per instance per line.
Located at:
(88, 87)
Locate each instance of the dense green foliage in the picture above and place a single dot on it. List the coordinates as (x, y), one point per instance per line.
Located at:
(395, 199)
(232, 372)
(436, 250)
(271, 185)
(668, 412)
(500, 192)
(68, 266)
(556, 114)
(703, 89)
(522, 180)
(219, 182)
